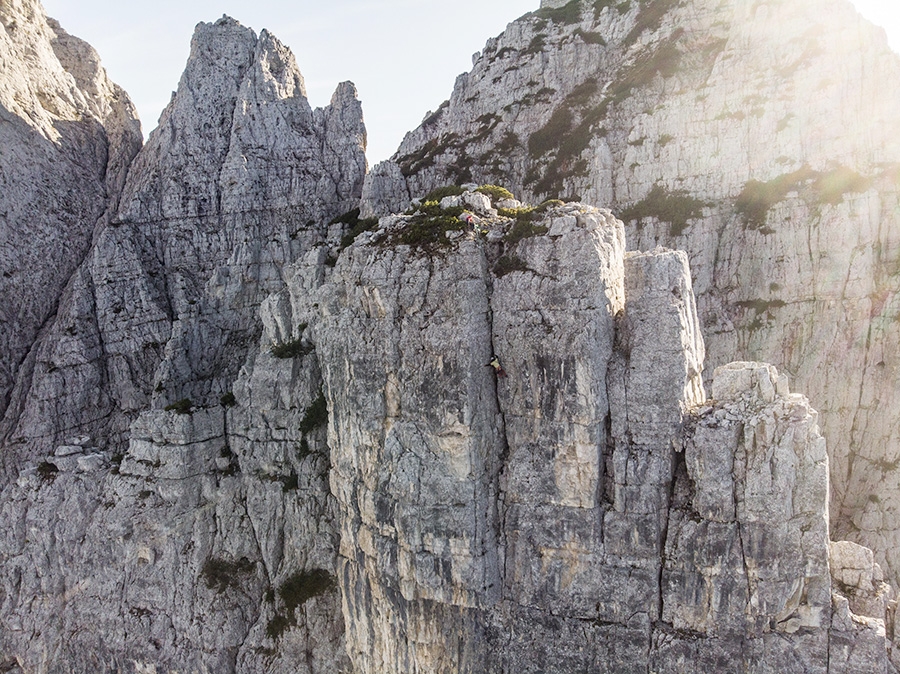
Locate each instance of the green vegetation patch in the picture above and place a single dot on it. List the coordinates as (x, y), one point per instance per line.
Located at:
(357, 226)
(757, 197)
(220, 574)
(524, 228)
(427, 229)
(676, 208)
(295, 591)
(425, 156)
(831, 187)
(447, 191)
(228, 400)
(495, 192)
(508, 264)
(600, 5)
(436, 115)
(567, 14)
(761, 306)
(649, 18)
(548, 137)
(536, 45)
(590, 37)
(430, 233)
(303, 586)
(182, 406)
(296, 348)
(316, 415)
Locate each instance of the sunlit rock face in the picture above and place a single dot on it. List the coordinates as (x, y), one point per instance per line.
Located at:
(67, 137)
(761, 138)
(255, 433)
(587, 508)
(166, 485)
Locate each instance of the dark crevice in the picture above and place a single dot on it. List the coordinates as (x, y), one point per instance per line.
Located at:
(504, 449)
(678, 462)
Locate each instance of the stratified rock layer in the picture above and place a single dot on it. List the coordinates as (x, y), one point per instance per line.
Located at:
(760, 138)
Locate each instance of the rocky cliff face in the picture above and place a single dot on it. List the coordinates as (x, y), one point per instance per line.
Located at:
(757, 136)
(589, 509)
(184, 538)
(67, 137)
(255, 433)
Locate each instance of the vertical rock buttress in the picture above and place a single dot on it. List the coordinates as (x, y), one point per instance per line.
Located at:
(588, 509)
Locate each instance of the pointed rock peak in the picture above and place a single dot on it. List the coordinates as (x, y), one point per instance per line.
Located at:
(228, 21)
(346, 92)
(279, 67)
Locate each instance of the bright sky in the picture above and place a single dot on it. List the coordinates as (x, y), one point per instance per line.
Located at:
(403, 55)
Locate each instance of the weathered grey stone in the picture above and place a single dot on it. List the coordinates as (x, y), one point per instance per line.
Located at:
(757, 138)
(67, 135)
(203, 537)
(243, 444)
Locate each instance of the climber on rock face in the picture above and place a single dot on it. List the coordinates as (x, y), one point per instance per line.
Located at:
(498, 368)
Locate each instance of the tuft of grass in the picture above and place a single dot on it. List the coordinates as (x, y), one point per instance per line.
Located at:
(536, 46)
(761, 306)
(425, 156)
(569, 13)
(300, 587)
(220, 574)
(233, 465)
(495, 192)
(228, 400)
(356, 224)
(316, 415)
(524, 228)
(549, 136)
(545, 206)
(675, 208)
(278, 625)
(429, 233)
(508, 264)
(590, 37)
(447, 191)
(757, 197)
(303, 449)
(436, 115)
(831, 187)
(600, 5)
(649, 18)
(296, 348)
(295, 591)
(47, 471)
(182, 406)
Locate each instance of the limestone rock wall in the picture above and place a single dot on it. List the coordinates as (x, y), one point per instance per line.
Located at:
(758, 137)
(590, 508)
(67, 136)
(166, 470)
(243, 442)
